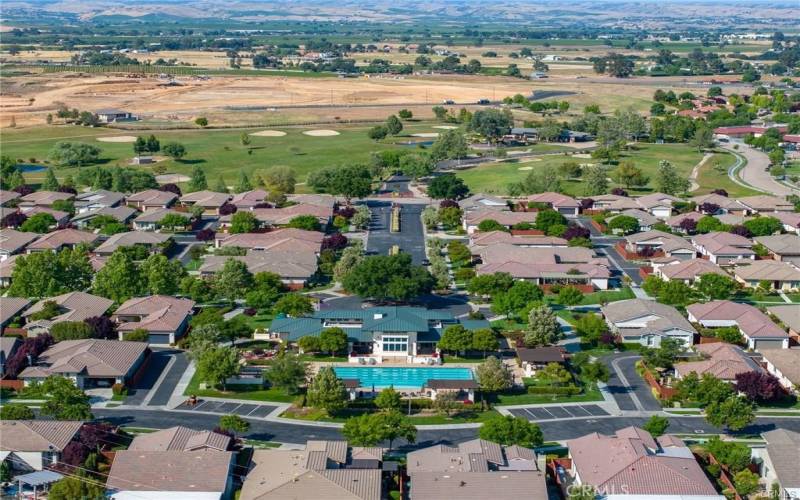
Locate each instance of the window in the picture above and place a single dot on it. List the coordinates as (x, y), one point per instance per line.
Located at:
(395, 344)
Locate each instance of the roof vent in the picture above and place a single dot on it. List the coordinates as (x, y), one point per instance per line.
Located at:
(377, 316)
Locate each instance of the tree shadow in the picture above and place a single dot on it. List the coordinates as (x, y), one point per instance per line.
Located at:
(190, 162)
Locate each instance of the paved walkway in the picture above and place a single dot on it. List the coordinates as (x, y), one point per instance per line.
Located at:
(696, 170)
(755, 172)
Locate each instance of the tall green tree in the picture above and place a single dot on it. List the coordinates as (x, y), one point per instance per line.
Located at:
(50, 182)
(493, 375)
(393, 125)
(243, 222)
(243, 184)
(373, 428)
(233, 281)
(391, 277)
(388, 399)
(455, 338)
(508, 430)
(217, 364)
(333, 340)
(543, 327)
(294, 305)
(162, 276)
(119, 279)
(198, 181)
(44, 274)
(326, 391)
(669, 180)
(65, 401)
(233, 423)
(288, 373)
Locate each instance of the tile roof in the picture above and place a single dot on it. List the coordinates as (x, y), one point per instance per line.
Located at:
(791, 219)
(90, 357)
(783, 448)
(719, 200)
(7, 266)
(766, 203)
(556, 200)
(58, 215)
(750, 320)
(320, 200)
(644, 218)
(176, 471)
(528, 485)
(8, 345)
(613, 202)
(153, 197)
(481, 200)
(665, 241)
(724, 361)
(633, 462)
(675, 220)
(11, 306)
(63, 237)
(101, 197)
(157, 214)
(159, 313)
(249, 199)
(480, 240)
(547, 354)
(786, 361)
(655, 200)
(476, 455)
(300, 264)
(130, 239)
(37, 435)
(12, 241)
(503, 217)
(77, 306)
(690, 269)
(527, 270)
(206, 198)
(282, 216)
(723, 243)
(121, 214)
(44, 198)
(665, 317)
(181, 439)
(769, 270)
(789, 315)
(506, 252)
(781, 244)
(6, 196)
(289, 239)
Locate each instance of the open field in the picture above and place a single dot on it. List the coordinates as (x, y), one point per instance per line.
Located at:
(714, 175)
(495, 177)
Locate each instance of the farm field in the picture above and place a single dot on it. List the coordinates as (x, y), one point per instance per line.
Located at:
(495, 177)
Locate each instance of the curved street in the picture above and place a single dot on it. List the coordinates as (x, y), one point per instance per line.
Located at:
(755, 172)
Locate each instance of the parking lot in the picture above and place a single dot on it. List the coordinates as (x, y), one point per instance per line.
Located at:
(225, 408)
(557, 412)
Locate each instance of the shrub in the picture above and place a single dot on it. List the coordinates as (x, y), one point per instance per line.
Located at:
(137, 335)
(118, 389)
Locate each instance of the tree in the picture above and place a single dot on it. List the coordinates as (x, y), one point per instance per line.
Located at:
(294, 305)
(493, 375)
(393, 125)
(450, 145)
(333, 340)
(306, 222)
(746, 482)
(734, 413)
(243, 184)
(326, 391)
(488, 225)
(388, 399)
(405, 114)
(759, 226)
(161, 275)
(595, 371)
(378, 132)
(484, 340)
(73, 154)
(361, 217)
(657, 425)
(665, 355)
(102, 327)
(45, 274)
(70, 330)
(201, 121)
(715, 286)
(735, 456)
(703, 138)
(624, 224)
(455, 338)
(217, 364)
(707, 224)
(508, 430)
(596, 180)
(390, 277)
(569, 296)
(243, 222)
(309, 343)
(174, 150)
(66, 401)
(50, 182)
(350, 258)
(759, 386)
(198, 181)
(16, 411)
(233, 423)
(221, 186)
(233, 281)
(491, 123)
(490, 284)
(119, 279)
(447, 186)
(38, 223)
(543, 327)
(353, 181)
(172, 221)
(669, 180)
(77, 486)
(373, 428)
(629, 175)
(547, 218)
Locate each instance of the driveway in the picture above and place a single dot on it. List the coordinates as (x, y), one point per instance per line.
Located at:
(410, 238)
(629, 390)
(755, 172)
(396, 184)
(619, 263)
(162, 393)
(159, 359)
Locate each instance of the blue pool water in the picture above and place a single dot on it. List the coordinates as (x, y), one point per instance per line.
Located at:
(407, 378)
(30, 167)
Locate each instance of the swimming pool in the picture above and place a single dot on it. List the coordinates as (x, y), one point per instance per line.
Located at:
(406, 378)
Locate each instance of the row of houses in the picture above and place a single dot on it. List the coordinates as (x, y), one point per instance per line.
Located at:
(630, 463)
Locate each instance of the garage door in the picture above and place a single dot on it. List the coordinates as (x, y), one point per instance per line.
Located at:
(159, 338)
(769, 344)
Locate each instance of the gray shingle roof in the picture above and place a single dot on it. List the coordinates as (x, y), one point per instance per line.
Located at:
(783, 447)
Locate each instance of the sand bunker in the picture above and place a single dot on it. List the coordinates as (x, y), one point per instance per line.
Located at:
(321, 133)
(525, 168)
(426, 134)
(581, 155)
(446, 127)
(269, 133)
(117, 138)
(172, 178)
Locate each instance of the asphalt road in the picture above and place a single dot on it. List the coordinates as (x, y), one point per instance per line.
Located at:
(755, 172)
(410, 238)
(629, 390)
(619, 263)
(171, 379)
(396, 184)
(158, 361)
(554, 430)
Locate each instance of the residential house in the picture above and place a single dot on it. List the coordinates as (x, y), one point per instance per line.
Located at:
(722, 360)
(10, 308)
(784, 364)
(612, 203)
(294, 268)
(480, 201)
(687, 271)
(647, 322)
(89, 362)
(379, 333)
(32, 445)
(790, 221)
(288, 240)
(789, 315)
(724, 248)
(658, 204)
(782, 247)
(7, 270)
(726, 205)
(476, 469)
(123, 215)
(472, 220)
(6, 196)
(61, 239)
(782, 462)
(675, 222)
(283, 216)
(320, 200)
(43, 198)
(13, 242)
(180, 438)
(8, 347)
(165, 318)
(61, 218)
(73, 306)
(176, 474)
(656, 242)
(151, 219)
(111, 115)
(766, 204)
(758, 330)
(209, 200)
(632, 464)
(151, 199)
(780, 275)
(563, 204)
(154, 242)
(95, 200)
(732, 219)
(249, 200)
(324, 469)
(645, 219)
(479, 241)
(533, 360)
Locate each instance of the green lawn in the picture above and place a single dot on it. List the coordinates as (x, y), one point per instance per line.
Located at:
(607, 296)
(248, 392)
(217, 151)
(495, 177)
(591, 393)
(314, 415)
(714, 175)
